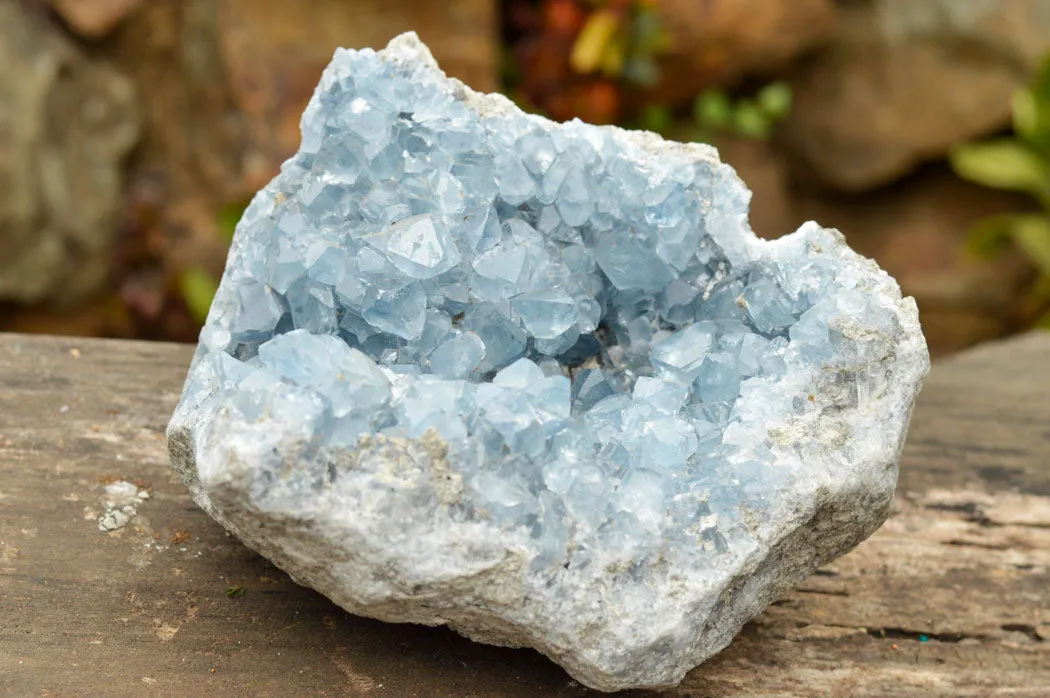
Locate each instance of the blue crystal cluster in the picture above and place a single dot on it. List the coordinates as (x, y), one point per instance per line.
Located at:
(570, 308)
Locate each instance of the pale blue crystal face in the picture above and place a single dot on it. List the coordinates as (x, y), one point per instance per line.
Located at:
(566, 310)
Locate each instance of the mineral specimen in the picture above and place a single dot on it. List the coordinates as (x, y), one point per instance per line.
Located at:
(539, 382)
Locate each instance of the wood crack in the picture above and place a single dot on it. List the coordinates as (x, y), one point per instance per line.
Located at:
(924, 635)
(1028, 630)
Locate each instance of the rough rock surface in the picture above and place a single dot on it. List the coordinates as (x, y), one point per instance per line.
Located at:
(539, 382)
(66, 124)
(905, 80)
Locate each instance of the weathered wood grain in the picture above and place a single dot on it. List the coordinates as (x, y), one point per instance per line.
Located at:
(951, 597)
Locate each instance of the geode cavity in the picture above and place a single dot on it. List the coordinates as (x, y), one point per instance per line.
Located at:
(539, 382)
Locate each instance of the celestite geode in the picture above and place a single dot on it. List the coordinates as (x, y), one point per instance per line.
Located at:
(539, 382)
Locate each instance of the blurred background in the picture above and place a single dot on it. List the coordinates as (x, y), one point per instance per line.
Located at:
(133, 132)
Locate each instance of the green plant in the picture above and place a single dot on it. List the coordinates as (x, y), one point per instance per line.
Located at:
(620, 39)
(1021, 163)
(198, 287)
(196, 284)
(714, 112)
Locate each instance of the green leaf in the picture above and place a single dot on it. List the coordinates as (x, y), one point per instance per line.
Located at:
(712, 109)
(1031, 111)
(198, 288)
(656, 118)
(1030, 232)
(750, 121)
(236, 591)
(988, 237)
(1040, 89)
(699, 134)
(228, 218)
(594, 40)
(1002, 164)
(775, 100)
(1025, 111)
(614, 58)
(1032, 235)
(647, 31)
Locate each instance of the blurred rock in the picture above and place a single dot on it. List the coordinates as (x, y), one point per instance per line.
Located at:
(905, 79)
(716, 42)
(66, 123)
(93, 18)
(190, 160)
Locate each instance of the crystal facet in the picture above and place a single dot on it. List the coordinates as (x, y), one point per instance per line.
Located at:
(537, 381)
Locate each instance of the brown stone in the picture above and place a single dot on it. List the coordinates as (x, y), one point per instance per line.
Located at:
(905, 80)
(93, 18)
(66, 123)
(716, 42)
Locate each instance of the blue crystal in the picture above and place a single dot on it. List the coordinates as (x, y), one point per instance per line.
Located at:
(400, 311)
(579, 317)
(458, 356)
(717, 378)
(257, 311)
(504, 339)
(589, 387)
(417, 246)
(643, 493)
(769, 307)
(681, 354)
(313, 307)
(546, 314)
(664, 396)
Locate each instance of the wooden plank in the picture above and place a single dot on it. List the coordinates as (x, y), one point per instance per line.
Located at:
(951, 597)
